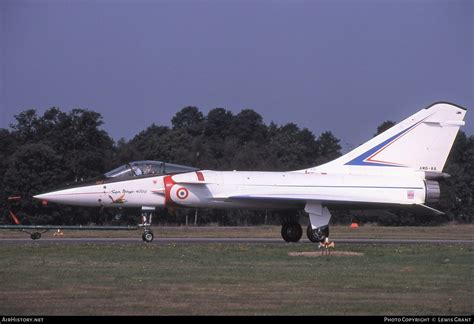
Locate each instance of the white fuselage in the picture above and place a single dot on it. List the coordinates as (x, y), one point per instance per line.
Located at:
(253, 189)
(234, 189)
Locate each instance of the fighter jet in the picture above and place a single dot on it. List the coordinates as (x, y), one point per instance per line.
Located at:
(399, 168)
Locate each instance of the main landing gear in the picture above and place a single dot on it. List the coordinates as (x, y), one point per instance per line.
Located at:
(318, 229)
(292, 232)
(147, 214)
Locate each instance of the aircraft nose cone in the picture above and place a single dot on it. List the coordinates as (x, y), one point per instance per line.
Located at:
(44, 196)
(49, 196)
(80, 196)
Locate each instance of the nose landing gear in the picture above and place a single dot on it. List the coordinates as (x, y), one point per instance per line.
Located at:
(147, 214)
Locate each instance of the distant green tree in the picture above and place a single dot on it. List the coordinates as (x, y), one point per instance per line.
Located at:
(218, 123)
(189, 118)
(25, 128)
(458, 190)
(8, 146)
(85, 149)
(384, 126)
(53, 150)
(329, 148)
(290, 148)
(124, 153)
(217, 135)
(248, 126)
(146, 145)
(33, 169)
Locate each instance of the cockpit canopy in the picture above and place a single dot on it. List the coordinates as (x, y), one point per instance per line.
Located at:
(146, 168)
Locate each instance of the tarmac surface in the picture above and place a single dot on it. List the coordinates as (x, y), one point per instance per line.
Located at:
(194, 240)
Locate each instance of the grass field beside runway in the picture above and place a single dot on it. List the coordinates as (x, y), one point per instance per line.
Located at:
(234, 279)
(337, 232)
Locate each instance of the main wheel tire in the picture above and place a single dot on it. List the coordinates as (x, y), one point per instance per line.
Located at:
(291, 232)
(310, 233)
(147, 237)
(318, 234)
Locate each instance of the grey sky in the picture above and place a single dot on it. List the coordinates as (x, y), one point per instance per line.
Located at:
(344, 66)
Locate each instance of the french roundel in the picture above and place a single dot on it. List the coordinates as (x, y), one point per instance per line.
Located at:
(182, 193)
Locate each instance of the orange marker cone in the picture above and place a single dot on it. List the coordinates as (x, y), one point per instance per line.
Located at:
(354, 225)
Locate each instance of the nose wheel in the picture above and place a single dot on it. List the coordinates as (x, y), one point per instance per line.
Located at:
(147, 236)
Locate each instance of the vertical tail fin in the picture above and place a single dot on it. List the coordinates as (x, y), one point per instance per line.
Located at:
(420, 142)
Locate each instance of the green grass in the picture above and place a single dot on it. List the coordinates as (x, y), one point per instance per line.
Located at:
(234, 279)
(338, 231)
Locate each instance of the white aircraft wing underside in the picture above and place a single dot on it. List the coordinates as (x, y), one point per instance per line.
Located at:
(304, 198)
(323, 199)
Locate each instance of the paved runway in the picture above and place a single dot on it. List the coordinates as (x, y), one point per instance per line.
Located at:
(194, 240)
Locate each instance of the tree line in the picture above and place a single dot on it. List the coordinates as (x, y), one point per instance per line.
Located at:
(42, 153)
